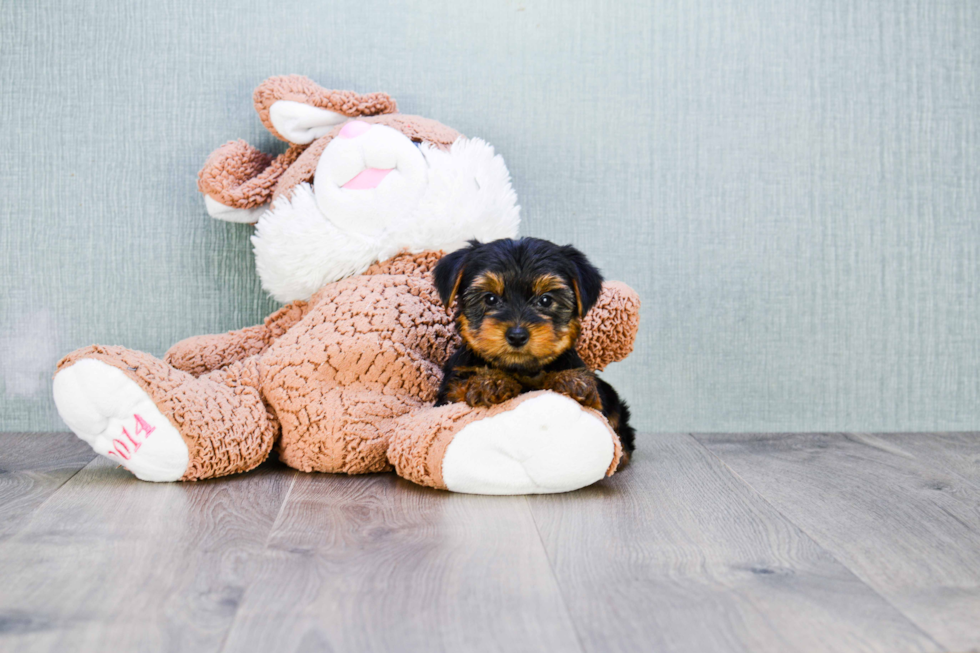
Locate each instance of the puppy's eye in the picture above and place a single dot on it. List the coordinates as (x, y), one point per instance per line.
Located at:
(545, 301)
(490, 299)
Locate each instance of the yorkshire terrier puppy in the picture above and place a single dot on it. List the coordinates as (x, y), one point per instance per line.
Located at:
(519, 307)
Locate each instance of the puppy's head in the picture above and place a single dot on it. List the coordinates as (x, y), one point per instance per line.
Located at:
(519, 302)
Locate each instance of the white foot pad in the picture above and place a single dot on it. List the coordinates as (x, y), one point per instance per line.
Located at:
(547, 444)
(110, 412)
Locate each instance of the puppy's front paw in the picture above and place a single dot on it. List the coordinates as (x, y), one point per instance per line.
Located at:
(579, 384)
(486, 387)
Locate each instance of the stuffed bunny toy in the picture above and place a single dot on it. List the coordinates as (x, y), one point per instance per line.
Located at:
(350, 222)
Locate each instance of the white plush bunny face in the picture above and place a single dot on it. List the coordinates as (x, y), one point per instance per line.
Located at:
(368, 177)
(324, 232)
(353, 191)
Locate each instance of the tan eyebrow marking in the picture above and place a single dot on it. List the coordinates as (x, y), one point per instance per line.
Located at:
(549, 283)
(489, 282)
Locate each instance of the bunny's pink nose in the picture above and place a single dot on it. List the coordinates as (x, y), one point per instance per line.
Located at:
(354, 128)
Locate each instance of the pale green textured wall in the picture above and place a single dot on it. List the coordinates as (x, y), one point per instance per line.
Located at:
(792, 187)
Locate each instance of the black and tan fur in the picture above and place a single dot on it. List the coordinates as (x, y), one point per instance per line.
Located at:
(519, 307)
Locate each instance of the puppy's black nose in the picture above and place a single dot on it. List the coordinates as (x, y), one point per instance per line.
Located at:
(517, 336)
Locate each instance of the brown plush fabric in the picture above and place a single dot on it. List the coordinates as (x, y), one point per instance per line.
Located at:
(198, 355)
(406, 263)
(370, 349)
(240, 176)
(344, 383)
(298, 88)
(609, 329)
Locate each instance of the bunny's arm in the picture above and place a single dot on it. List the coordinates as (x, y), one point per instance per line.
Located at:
(201, 354)
(609, 329)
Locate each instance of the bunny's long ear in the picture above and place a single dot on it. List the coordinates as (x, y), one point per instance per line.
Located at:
(295, 109)
(238, 180)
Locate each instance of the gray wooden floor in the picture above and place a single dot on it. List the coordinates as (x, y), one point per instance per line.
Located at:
(818, 542)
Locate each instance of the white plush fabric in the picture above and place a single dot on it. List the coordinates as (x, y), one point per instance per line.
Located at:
(110, 412)
(298, 251)
(219, 211)
(304, 241)
(301, 123)
(370, 212)
(547, 444)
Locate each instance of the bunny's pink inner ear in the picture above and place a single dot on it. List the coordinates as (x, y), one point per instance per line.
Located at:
(299, 122)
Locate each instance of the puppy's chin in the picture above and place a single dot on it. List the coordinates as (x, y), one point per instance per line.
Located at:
(517, 361)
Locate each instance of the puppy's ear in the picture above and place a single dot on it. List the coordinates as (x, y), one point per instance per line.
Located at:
(449, 273)
(586, 279)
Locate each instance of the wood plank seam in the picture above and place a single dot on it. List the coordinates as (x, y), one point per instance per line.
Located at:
(554, 576)
(265, 553)
(56, 491)
(282, 507)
